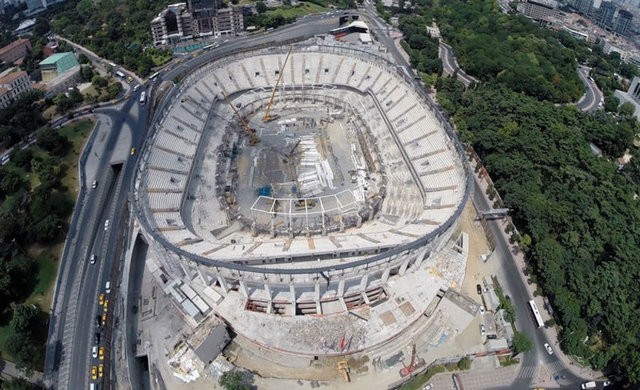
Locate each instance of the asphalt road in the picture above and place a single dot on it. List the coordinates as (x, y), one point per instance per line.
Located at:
(71, 331)
(72, 323)
(592, 98)
(450, 65)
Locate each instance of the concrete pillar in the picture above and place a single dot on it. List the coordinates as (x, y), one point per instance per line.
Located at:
(268, 290)
(404, 266)
(371, 213)
(292, 293)
(223, 284)
(341, 288)
(385, 275)
(243, 289)
(201, 275)
(317, 299)
(185, 269)
(358, 221)
(363, 282)
(366, 298)
(420, 257)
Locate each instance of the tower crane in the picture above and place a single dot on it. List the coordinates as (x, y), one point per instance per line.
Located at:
(408, 370)
(267, 116)
(251, 133)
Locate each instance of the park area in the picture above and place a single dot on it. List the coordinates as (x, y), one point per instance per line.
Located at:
(38, 189)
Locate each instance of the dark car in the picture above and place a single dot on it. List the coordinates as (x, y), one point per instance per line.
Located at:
(98, 321)
(479, 289)
(97, 339)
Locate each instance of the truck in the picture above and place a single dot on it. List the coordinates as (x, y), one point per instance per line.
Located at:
(588, 385)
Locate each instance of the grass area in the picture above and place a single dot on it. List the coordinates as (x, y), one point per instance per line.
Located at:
(300, 10)
(46, 258)
(5, 332)
(420, 380)
(77, 134)
(507, 361)
(47, 263)
(159, 59)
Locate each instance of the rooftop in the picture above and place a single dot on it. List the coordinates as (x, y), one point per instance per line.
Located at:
(12, 76)
(14, 44)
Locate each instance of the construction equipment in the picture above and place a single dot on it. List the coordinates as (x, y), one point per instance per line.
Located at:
(267, 116)
(343, 367)
(251, 133)
(407, 370)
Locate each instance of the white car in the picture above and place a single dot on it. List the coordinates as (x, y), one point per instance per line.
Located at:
(481, 310)
(106, 225)
(92, 259)
(107, 287)
(482, 330)
(428, 386)
(94, 352)
(548, 348)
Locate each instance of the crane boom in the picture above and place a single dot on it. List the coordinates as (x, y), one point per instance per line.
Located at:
(267, 116)
(251, 133)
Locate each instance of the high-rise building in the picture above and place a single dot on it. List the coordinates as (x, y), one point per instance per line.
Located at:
(606, 14)
(203, 13)
(622, 24)
(174, 23)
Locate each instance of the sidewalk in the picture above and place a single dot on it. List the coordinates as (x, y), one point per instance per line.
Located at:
(551, 333)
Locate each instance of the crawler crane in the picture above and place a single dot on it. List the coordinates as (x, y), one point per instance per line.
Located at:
(267, 116)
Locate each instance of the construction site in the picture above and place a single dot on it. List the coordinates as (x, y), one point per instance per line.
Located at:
(307, 200)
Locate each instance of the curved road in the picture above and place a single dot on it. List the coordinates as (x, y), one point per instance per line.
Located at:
(72, 327)
(593, 96)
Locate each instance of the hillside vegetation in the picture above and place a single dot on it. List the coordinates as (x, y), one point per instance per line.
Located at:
(577, 215)
(117, 30)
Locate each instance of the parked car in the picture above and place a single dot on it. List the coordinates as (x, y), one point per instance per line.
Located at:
(479, 289)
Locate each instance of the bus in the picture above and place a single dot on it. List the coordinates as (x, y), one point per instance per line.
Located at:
(536, 314)
(153, 76)
(143, 97)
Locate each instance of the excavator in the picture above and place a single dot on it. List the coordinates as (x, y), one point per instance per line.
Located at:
(251, 133)
(267, 116)
(407, 370)
(343, 368)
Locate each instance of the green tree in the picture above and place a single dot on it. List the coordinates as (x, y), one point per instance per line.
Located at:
(232, 380)
(627, 109)
(50, 140)
(464, 363)
(16, 384)
(23, 342)
(86, 72)
(521, 343)
(261, 7)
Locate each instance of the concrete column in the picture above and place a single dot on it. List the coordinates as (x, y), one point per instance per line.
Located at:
(202, 276)
(421, 256)
(404, 266)
(366, 298)
(223, 284)
(185, 269)
(268, 290)
(385, 275)
(363, 282)
(341, 288)
(292, 293)
(243, 289)
(317, 299)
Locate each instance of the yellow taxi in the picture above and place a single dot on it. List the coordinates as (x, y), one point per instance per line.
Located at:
(106, 304)
(101, 299)
(94, 373)
(100, 370)
(133, 151)
(104, 319)
(101, 353)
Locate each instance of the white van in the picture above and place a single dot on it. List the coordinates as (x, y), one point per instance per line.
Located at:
(92, 386)
(107, 287)
(588, 385)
